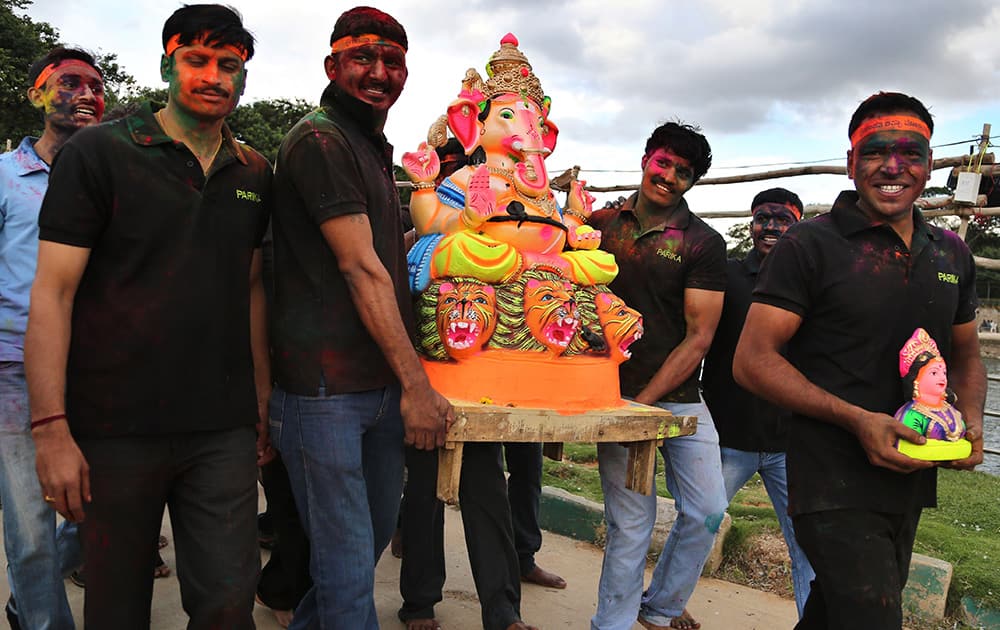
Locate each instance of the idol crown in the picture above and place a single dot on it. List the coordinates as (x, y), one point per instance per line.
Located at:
(919, 343)
(510, 73)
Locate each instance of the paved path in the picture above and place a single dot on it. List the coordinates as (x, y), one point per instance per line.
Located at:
(718, 605)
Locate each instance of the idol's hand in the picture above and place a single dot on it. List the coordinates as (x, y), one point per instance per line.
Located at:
(422, 165)
(480, 200)
(584, 237)
(580, 201)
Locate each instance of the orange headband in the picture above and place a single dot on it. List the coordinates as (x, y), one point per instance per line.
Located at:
(791, 206)
(175, 42)
(890, 123)
(47, 71)
(351, 41)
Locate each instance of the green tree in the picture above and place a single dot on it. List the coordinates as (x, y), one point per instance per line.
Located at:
(262, 124)
(738, 237)
(22, 40)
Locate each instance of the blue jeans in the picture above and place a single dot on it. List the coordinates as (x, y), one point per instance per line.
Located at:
(737, 468)
(34, 552)
(344, 455)
(694, 479)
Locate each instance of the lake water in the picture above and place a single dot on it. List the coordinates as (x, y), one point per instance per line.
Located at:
(991, 424)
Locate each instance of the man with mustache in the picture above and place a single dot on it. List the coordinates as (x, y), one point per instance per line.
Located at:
(146, 337)
(672, 270)
(350, 388)
(752, 431)
(68, 88)
(837, 298)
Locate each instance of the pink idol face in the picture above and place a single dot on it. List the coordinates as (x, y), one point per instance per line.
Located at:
(515, 128)
(932, 381)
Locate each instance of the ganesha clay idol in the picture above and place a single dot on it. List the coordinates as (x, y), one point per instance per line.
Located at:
(930, 412)
(513, 302)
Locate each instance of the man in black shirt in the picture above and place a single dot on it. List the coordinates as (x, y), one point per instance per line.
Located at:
(146, 337)
(349, 385)
(752, 435)
(843, 292)
(672, 270)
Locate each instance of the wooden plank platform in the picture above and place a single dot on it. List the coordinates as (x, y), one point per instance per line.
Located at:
(640, 427)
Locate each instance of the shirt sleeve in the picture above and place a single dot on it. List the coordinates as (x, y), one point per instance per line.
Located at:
(708, 270)
(787, 276)
(325, 173)
(968, 301)
(267, 194)
(76, 207)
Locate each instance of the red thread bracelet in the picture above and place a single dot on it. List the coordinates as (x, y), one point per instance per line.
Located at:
(43, 421)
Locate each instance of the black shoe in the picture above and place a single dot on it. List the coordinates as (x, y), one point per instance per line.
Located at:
(76, 577)
(11, 610)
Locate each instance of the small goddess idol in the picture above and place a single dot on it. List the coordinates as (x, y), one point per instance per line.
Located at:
(930, 412)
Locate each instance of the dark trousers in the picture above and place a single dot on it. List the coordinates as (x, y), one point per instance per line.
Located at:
(285, 577)
(208, 480)
(524, 489)
(862, 561)
(488, 536)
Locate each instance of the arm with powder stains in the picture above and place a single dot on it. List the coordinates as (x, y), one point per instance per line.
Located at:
(261, 358)
(62, 469)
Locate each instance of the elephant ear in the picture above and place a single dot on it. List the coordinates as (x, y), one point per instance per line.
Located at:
(549, 134)
(463, 120)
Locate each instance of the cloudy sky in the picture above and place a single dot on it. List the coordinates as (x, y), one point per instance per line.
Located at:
(771, 83)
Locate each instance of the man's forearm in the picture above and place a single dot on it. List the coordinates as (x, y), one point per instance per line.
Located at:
(678, 366)
(259, 341)
(46, 347)
(374, 298)
(770, 375)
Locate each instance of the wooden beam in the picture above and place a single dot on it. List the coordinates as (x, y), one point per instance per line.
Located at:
(449, 472)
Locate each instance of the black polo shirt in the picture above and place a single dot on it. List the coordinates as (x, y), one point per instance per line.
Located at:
(332, 163)
(861, 293)
(744, 421)
(655, 267)
(161, 319)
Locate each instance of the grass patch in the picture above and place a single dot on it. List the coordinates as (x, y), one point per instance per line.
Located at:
(964, 530)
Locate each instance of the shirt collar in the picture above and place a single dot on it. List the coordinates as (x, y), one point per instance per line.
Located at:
(362, 113)
(27, 160)
(678, 219)
(146, 131)
(850, 220)
(751, 263)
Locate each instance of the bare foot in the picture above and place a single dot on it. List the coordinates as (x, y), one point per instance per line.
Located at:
(684, 621)
(540, 576)
(422, 624)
